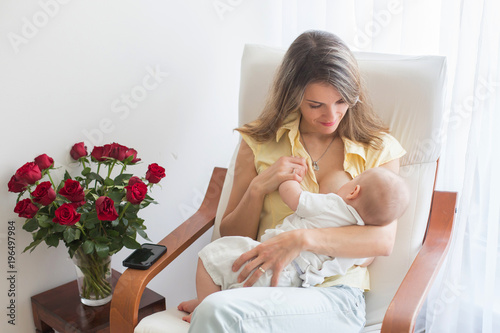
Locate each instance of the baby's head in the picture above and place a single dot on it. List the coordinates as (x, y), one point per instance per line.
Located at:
(379, 195)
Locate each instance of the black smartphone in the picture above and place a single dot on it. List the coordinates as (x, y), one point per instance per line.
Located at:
(144, 257)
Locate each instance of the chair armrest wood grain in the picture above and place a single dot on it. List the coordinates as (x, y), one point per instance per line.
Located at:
(406, 304)
(128, 291)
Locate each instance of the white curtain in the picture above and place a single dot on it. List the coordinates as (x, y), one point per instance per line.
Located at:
(466, 295)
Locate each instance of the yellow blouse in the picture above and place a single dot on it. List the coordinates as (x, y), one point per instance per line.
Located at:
(357, 158)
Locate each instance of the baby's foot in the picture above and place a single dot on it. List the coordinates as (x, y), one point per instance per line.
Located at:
(187, 318)
(188, 306)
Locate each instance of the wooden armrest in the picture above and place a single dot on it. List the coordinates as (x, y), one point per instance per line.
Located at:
(128, 291)
(403, 310)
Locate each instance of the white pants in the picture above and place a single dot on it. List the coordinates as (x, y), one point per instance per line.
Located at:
(266, 309)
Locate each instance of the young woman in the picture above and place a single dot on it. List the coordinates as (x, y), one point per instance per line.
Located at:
(317, 128)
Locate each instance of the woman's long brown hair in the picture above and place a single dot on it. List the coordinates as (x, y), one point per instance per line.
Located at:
(318, 56)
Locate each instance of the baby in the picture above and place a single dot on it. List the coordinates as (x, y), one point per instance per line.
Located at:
(378, 196)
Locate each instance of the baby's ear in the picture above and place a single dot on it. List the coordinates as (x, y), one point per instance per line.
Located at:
(354, 193)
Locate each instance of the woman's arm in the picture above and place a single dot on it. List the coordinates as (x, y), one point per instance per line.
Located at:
(352, 241)
(349, 242)
(243, 210)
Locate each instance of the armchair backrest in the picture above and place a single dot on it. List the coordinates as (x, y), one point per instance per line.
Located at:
(407, 93)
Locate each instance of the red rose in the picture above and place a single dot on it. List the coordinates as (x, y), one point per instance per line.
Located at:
(136, 191)
(78, 150)
(44, 194)
(155, 173)
(26, 208)
(134, 180)
(132, 152)
(29, 173)
(16, 185)
(44, 161)
(72, 191)
(66, 215)
(116, 151)
(98, 153)
(105, 208)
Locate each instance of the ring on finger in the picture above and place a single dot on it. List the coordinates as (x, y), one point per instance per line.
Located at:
(262, 269)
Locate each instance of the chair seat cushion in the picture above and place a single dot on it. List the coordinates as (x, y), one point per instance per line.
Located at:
(170, 321)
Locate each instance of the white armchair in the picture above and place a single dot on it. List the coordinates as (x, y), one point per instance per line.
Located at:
(408, 93)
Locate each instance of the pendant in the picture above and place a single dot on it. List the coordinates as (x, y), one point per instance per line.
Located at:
(315, 166)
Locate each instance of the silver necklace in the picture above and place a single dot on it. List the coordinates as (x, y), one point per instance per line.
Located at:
(315, 163)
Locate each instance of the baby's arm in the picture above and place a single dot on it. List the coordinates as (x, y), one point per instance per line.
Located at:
(290, 193)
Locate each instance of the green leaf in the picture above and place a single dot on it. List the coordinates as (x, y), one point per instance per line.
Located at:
(128, 159)
(116, 245)
(60, 186)
(88, 247)
(151, 201)
(40, 234)
(92, 215)
(143, 234)
(90, 223)
(86, 171)
(31, 225)
(116, 196)
(144, 204)
(52, 240)
(136, 221)
(44, 221)
(71, 251)
(113, 234)
(132, 211)
(130, 231)
(94, 233)
(102, 250)
(123, 178)
(109, 182)
(33, 245)
(95, 176)
(67, 175)
(58, 227)
(130, 243)
(95, 196)
(115, 222)
(69, 235)
(101, 239)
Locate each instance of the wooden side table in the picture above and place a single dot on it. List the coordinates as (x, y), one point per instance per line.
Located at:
(60, 309)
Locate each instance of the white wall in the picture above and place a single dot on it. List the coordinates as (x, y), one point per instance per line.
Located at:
(65, 67)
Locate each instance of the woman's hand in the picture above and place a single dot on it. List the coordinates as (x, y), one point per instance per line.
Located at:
(285, 168)
(249, 190)
(273, 254)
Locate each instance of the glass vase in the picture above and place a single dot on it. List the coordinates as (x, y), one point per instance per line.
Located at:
(94, 278)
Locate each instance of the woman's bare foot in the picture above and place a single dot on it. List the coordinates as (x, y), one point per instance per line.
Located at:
(188, 306)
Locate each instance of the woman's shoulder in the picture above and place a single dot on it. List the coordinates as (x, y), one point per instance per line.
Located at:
(389, 142)
(362, 156)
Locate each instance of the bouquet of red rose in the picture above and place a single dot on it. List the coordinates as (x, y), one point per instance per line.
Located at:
(95, 213)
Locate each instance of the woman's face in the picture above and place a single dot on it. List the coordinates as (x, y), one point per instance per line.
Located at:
(322, 109)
